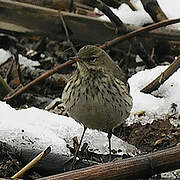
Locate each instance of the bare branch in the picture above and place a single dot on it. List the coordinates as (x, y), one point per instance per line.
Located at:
(154, 85)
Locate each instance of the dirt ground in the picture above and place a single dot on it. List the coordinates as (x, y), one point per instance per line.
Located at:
(159, 135)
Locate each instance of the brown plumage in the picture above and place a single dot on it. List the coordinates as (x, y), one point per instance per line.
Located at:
(97, 95)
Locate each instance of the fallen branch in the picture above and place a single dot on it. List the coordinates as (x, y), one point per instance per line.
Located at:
(136, 44)
(106, 45)
(116, 4)
(54, 4)
(132, 168)
(34, 20)
(139, 31)
(32, 83)
(153, 9)
(154, 85)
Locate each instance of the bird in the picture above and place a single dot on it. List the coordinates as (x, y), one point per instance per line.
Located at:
(97, 94)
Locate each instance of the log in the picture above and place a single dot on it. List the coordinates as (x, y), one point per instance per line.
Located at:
(34, 20)
(132, 168)
(64, 5)
(37, 20)
(54, 4)
(52, 164)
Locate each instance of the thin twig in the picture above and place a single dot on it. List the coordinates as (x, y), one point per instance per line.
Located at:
(103, 46)
(64, 25)
(67, 34)
(40, 78)
(32, 163)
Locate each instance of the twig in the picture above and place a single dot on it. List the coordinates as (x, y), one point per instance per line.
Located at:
(104, 46)
(154, 85)
(139, 31)
(107, 11)
(67, 34)
(119, 24)
(32, 163)
(43, 76)
(141, 51)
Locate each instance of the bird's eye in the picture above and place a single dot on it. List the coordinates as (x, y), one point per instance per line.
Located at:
(91, 59)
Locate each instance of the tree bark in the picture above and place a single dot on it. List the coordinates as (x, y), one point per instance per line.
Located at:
(54, 4)
(153, 9)
(132, 168)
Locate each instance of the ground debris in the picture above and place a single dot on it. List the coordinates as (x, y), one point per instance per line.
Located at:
(158, 135)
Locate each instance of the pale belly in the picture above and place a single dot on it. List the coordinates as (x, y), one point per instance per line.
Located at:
(95, 107)
(97, 117)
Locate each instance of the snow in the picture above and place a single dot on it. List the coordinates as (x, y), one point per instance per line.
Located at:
(40, 129)
(37, 128)
(23, 61)
(140, 17)
(4, 55)
(159, 102)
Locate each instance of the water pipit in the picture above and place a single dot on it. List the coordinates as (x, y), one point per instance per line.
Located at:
(97, 95)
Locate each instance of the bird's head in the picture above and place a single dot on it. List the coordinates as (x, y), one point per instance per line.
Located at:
(92, 57)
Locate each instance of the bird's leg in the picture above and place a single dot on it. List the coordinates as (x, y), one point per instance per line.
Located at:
(109, 139)
(77, 150)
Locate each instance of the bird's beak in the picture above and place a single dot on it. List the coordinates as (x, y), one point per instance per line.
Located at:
(76, 59)
(80, 63)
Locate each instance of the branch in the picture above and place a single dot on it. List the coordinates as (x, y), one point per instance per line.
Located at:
(153, 9)
(33, 20)
(119, 24)
(154, 85)
(131, 168)
(139, 31)
(32, 83)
